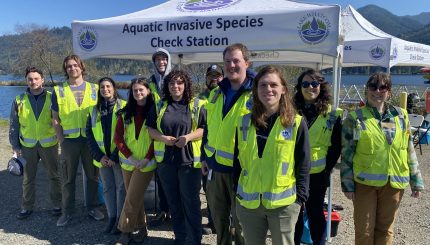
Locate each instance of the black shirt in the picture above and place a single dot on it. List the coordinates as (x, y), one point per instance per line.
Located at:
(176, 122)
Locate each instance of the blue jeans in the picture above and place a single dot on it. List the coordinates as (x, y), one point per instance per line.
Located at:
(113, 189)
(182, 187)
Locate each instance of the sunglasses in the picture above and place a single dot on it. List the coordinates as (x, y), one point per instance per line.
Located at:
(313, 84)
(374, 87)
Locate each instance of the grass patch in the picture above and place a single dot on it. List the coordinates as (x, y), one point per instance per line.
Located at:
(4, 123)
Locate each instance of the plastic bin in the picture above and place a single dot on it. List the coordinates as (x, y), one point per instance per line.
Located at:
(335, 220)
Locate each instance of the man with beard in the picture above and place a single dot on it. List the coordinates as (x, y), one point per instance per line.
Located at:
(214, 75)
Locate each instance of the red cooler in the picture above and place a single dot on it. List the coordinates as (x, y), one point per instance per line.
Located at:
(335, 220)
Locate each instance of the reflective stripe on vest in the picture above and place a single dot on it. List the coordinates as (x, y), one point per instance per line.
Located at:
(150, 164)
(317, 163)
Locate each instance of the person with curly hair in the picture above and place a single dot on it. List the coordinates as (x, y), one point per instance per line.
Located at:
(312, 101)
(176, 124)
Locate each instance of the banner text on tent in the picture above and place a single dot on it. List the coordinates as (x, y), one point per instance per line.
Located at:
(219, 24)
(197, 24)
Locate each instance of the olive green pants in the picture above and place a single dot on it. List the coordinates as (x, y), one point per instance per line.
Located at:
(280, 221)
(49, 156)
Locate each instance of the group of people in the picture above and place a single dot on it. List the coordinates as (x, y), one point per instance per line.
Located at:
(265, 157)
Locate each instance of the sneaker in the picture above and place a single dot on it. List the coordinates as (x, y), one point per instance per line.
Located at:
(96, 214)
(124, 239)
(64, 219)
(23, 214)
(160, 219)
(56, 211)
(139, 235)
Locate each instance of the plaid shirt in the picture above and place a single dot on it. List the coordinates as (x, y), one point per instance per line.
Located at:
(349, 145)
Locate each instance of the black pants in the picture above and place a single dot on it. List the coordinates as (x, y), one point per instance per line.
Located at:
(204, 181)
(162, 201)
(314, 209)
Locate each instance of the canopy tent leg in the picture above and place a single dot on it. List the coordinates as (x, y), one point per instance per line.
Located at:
(335, 87)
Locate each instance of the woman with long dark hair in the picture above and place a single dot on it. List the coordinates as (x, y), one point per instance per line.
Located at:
(273, 153)
(176, 124)
(135, 153)
(101, 124)
(312, 100)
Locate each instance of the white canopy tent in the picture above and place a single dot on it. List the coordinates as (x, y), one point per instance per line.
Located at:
(197, 32)
(366, 45)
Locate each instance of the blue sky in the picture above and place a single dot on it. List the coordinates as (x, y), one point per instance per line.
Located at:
(58, 13)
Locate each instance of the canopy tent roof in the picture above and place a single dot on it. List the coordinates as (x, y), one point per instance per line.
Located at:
(198, 31)
(365, 44)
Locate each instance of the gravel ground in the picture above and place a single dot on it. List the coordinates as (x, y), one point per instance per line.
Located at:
(412, 225)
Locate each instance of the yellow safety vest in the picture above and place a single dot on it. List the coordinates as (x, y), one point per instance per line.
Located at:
(139, 147)
(154, 90)
(320, 139)
(375, 161)
(221, 130)
(268, 180)
(73, 117)
(34, 130)
(159, 147)
(96, 127)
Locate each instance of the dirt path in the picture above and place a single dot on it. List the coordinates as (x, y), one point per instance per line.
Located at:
(412, 227)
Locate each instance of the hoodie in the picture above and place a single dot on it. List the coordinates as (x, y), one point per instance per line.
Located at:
(157, 77)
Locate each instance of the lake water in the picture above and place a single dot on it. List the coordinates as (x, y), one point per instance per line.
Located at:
(8, 93)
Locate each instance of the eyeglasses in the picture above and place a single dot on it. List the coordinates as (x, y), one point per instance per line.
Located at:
(374, 87)
(313, 84)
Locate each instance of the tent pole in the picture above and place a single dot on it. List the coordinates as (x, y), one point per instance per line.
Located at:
(180, 56)
(335, 88)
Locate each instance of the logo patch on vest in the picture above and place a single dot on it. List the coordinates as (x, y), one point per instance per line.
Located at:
(249, 104)
(286, 133)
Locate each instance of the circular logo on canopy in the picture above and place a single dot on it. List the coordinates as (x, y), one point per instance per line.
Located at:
(377, 52)
(204, 5)
(314, 28)
(87, 38)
